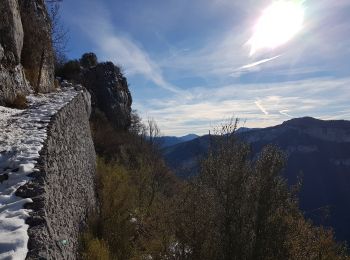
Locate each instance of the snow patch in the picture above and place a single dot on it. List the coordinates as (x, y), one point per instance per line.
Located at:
(22, 136)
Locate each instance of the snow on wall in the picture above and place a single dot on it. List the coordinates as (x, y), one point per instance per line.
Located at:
(63, 191)
(22, 136)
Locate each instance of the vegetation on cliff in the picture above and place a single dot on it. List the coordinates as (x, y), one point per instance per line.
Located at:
(237, 208)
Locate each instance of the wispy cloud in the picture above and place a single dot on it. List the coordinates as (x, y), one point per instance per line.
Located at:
(260, 105)
(304, 77)
(95, 21)
(320, 46)
(285, 113)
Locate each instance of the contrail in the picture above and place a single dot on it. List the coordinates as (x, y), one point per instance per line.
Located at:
(285, 113)
(260, 106)
(258, 63)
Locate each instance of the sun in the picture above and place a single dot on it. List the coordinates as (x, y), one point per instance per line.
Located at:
(278, 24)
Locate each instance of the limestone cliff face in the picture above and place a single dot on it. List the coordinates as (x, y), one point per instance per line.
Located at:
(11, 28)
(12, 80)
(37, 44)
(110, 93)
(25, 47)
(63, 192)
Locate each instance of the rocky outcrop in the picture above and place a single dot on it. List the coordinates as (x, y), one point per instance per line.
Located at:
(63, 190)
(107, 85)
(26, 52)
(37, 55)
(109, 93)
(11, 30)
(12, 80)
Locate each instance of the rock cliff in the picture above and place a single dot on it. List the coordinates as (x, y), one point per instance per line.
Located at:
(107, 85)
(37, 55)
(12, 80)
(26, 52)
(110, 93)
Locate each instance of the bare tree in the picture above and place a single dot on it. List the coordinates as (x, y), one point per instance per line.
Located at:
(137, 127)
(59, 32)
(153, 131)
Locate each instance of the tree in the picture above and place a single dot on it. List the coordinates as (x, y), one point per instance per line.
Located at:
(59, 33)
(241, 208)
(136, 126)
(152, 131)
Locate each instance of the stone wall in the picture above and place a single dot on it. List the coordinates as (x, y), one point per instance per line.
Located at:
(63, 192)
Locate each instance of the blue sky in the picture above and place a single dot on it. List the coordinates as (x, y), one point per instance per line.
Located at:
(186, 61)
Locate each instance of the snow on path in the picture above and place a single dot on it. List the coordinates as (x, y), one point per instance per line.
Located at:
(22, 135)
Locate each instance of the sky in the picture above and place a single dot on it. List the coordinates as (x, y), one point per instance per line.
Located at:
(190, 64)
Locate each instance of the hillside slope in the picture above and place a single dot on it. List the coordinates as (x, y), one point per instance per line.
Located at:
(318, 151)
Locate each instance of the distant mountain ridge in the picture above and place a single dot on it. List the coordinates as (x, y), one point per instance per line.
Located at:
(166, 141)
(317, 150)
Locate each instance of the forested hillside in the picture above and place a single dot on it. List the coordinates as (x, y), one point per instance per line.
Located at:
(237, 208)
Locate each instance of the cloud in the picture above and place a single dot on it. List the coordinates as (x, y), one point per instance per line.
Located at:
(95, 21)
(325, 98)
(320, 47)
(304, 77)
(285, 113)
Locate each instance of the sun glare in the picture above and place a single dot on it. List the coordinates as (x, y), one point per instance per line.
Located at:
(278, 24)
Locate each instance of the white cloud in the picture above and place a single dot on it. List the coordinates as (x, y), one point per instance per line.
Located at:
(319, 97)
(321, 49)
(285, 113)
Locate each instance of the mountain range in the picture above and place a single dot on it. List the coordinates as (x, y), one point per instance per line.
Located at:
(318, 153)
(166, 141)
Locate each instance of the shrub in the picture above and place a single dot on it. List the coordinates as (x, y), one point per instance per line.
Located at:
(20, 102)
(237, 208)
(57, 84)
(240, 208)
(94, 248)
(70, 70)
(88, 60)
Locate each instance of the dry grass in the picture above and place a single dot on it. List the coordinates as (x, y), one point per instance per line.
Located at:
(20, 102)
(57, 84)
(32, 76)
(95, 248)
